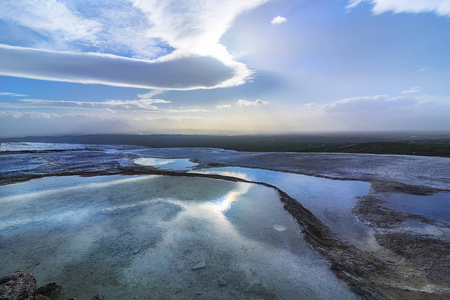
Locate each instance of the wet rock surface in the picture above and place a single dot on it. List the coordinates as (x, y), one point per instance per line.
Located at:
(407, 265)
(18, 285)
(23, 286)
(418, 260)
(51, 290)
(99, 297)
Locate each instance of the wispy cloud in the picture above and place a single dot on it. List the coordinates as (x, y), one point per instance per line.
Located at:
(258, 102)
(111, 27)
(17, 123)
(11, 94)
(150, 94)
(440, 7)
(311, 105)
(112, 106)
(193, 27)
(368, 104)
(380, 112)
(424, 69)
(169, 38)
(142, 104)
(50, 18)
(223, 106)
(278, 20)
(29, 114)
(412, 90)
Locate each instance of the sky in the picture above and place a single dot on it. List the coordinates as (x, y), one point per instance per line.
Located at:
(223, 66)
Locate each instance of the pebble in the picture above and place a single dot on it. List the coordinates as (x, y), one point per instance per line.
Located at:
(200, 265)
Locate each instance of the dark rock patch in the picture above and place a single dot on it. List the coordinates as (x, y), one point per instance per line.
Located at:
(23, 286)
(17, 286)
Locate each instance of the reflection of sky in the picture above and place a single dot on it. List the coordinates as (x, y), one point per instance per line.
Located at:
(330, 200)
(223, 204)
(45, 190)
(173, 223)
(436, 206)
(166, 164)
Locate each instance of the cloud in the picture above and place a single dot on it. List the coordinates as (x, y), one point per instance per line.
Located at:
(424, 69)
(17, 123)
(412, 90)
(29, 114)
(167, 38)
(194, 27)
(440, 7)
(258, 102)
(223, 106)
(278, 20)
(375, 113)
(50, 17)
(150, 94)
(142, 104)
(177, 74)
(11, 94)
(369, 104)
(311, 105)
(114, 27)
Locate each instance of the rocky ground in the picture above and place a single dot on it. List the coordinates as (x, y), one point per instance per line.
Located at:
(407, 265)
(23, 286)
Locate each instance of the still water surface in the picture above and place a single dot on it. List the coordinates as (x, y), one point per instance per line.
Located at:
(138, 237)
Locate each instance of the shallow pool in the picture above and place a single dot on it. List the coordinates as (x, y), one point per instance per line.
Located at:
(330, 200)
(138, 237)
(166, 164)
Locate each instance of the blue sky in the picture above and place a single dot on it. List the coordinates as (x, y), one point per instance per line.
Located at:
(233, 67)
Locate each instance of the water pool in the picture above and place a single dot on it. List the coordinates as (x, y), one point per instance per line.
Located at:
(138, 237)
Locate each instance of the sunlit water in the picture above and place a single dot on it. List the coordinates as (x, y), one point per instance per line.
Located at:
(436, 206)
(166, 164)
(330, 200)
(138, 237)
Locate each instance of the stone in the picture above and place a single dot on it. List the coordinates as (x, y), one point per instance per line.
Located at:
(221, 282)
(99, 297)
(18, 286)
(50, 290)
(200, 265)
(40, 297)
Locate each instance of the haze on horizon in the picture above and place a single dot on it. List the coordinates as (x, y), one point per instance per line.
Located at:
(210, 66)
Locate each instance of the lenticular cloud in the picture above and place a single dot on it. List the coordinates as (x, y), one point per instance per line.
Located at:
(181, 73)
(165, 44)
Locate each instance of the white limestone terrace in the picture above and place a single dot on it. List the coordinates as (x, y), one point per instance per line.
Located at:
(430, 172)
(29, 146)
(329, 200)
